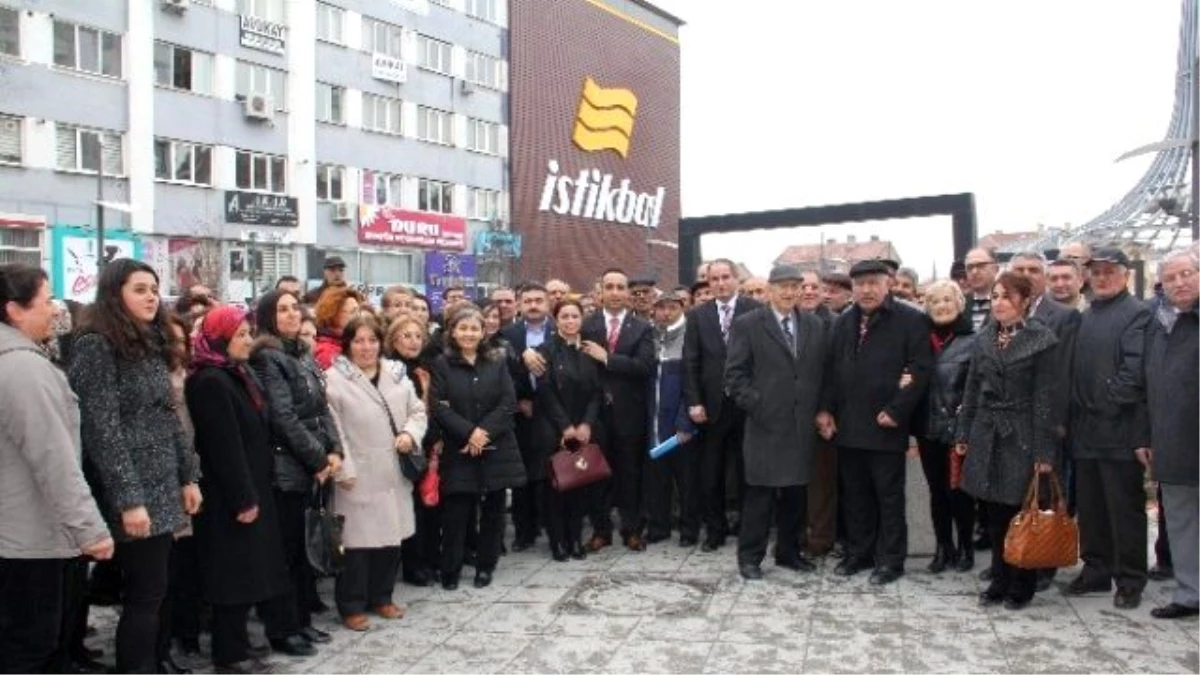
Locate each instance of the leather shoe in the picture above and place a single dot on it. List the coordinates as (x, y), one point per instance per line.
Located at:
(712, 543)
(1044, 579)
(990, 597)
(390, 611)
(356, 622)
(1174, 611)
(1014, 604)
(293, 645)
(449, 583)
(578, 552)
(483, 579)
(558, 551)
(798, 564)
(260, 652)
(168, 667)
(849, 567)
(942, 558)
(687, 541)
(314, 636)
(1161, 573)
(250, 666)
(1080, 585)
(522, 544)
(966, 560)
(598, 542)
(985, 574)
(750, 572)
(885, 575)
(634, 542)
(655, 537)
(1127, 598)
(419, 578)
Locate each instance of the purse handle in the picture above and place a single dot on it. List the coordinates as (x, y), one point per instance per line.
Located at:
(1056, 498)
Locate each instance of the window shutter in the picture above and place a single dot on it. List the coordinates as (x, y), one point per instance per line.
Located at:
(66, 148)
(10, 139)
(114, 164)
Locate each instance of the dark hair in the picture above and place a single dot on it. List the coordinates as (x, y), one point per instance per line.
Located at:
(532, 286)
(287, 278)
(462, 313)
(19, 283)
(1015, 284)
(698, 286)
(174, 362)
(361, 321)
(268, 306)
(423, 298)
(109, 318)
(568, 302)
(613, 270)
(446, 292)
(1064, 262)
(723, 261)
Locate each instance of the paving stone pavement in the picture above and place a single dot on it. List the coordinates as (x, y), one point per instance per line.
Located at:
(671, 610)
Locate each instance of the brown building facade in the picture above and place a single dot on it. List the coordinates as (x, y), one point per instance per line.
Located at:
(594, 138)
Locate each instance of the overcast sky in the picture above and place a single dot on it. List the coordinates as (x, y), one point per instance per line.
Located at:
(1025, 103)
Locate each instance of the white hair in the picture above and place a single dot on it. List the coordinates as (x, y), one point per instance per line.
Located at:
(1187, 255)
(960, 300)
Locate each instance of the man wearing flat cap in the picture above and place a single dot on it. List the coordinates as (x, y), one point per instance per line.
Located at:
(642, 294)
(873, 344)
(334, 271)
(774, 374)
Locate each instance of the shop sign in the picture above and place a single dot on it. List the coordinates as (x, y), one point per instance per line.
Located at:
(390, 226)
(266, 36)
(75, 260)
(448, 270)
(388, 68)
(253, 208)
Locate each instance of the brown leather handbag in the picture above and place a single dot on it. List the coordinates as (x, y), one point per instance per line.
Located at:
(1042, 539)
(576, 465)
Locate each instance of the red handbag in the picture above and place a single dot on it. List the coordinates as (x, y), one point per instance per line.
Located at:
(576, 465)
(431, 483)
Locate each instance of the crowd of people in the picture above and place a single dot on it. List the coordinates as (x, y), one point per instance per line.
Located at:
(175, 451)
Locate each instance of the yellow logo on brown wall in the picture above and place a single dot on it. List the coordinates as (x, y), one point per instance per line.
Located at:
(605, 119)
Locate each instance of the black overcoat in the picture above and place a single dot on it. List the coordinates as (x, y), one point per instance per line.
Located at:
(1172, 367)
(568, 394)
(780, 392)
(240, 563)
(705, 354)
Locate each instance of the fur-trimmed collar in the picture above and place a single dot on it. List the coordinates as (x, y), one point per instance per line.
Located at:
(1035, 337)
(269, 341)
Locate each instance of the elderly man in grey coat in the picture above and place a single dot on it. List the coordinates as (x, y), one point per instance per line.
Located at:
(1172, 370)
(776, 362)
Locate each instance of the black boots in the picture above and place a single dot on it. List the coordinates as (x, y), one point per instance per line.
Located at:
(966, 558)
(942, 558)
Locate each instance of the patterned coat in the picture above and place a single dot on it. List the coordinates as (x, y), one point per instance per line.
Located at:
(1006, 415)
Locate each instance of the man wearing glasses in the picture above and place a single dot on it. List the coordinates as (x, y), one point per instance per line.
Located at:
(642, 294)
(982, 269)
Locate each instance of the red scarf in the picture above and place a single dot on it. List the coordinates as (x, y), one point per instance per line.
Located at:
(939, 337)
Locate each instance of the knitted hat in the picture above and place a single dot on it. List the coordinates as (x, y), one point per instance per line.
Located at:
(222, 322)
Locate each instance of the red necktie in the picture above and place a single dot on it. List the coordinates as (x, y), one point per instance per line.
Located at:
(614, 333)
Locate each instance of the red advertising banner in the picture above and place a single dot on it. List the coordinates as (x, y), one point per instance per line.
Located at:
(390, 226)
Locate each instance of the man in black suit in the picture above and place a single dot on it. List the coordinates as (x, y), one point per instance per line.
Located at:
(525, 335)
(623, 344)
(776, 364)
(872, 346)
(704, 351)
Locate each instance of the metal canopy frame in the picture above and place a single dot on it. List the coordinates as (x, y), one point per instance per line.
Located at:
(960, 208)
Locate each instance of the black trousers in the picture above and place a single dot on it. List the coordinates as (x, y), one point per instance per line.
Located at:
(1007, 581)
(145, 572)
(230, 639)
(526, 518)
(422, 552)
(75, 611)
(367, 579)
(563, 512)
(1112, 521)
(1162, 544)
(953, 511)
(789, 505)
(32, 606)
(456, 513)
(179, 616)
(676, 473)
(721, 447)
(873, 494)
(285, 617)
(626, 455)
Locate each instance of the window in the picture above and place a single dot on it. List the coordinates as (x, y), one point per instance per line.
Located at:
(388, 188)
(87, 49)
(330, 179)
(483, 136)
(10, 139)
(182, 162)
(18, 245)
(79, 150)
(258, 171)
(483, 69)
(10, 31)
(484, 9)
(384, 268)
(381, 113)
(483, 204)
(435, 195)
(271, 10)
(433, 54)
(182, 68)
(330, 23)
(382, 38)
(256, 79)
(330, 101)
(435, 126)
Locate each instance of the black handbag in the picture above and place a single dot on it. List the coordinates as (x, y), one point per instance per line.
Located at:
(323, 531)
(413, 464)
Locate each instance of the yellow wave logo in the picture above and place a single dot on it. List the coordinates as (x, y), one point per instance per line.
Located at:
(605, 119)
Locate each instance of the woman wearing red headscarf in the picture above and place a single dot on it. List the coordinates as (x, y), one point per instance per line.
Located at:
(237, 533)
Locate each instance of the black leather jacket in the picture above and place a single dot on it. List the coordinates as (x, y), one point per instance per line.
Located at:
(303, 432)
(937, 419)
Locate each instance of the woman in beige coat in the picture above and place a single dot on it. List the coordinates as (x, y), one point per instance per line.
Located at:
(381, 418)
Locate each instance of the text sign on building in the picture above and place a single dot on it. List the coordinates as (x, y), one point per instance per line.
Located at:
(252, 208)
(263, 35)
(390, 226)
(388, 68)
(448, 270)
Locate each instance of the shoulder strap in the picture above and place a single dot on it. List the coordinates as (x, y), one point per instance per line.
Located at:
(22, 348)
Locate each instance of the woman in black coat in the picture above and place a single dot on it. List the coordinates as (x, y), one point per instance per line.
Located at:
(304, 439)
(951, 335)
(473, 402)
(237, 534)
(567, 409)
(1004, 427)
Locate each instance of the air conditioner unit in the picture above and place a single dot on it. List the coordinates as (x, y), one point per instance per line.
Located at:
(176, 6)
(467, 87)
(345, 212)
(260, 107)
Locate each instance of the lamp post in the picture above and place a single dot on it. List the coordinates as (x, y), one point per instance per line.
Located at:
(101, 259)
(252, 266)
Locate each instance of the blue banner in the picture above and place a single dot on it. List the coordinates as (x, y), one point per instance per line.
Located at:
(447, 270)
